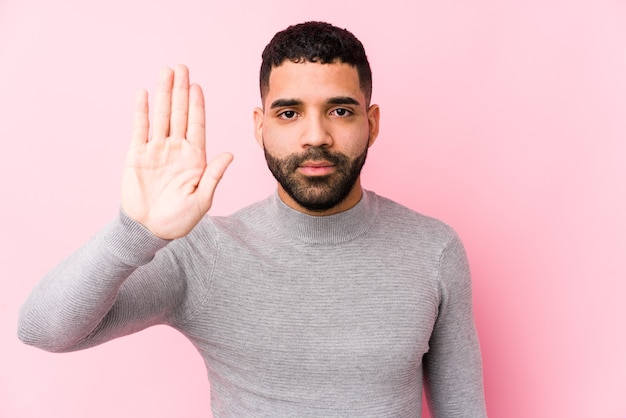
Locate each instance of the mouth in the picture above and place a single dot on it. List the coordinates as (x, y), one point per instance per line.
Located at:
(316, 168)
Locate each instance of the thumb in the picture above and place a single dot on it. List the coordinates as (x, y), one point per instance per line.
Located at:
(211, 177)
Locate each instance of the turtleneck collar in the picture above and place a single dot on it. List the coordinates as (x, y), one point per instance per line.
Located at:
(331, 229)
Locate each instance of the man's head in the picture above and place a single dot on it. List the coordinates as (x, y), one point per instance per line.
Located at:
(316, 123)
(315, 42)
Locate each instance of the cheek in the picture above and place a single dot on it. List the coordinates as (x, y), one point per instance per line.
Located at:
(277, 142)
(353, 141)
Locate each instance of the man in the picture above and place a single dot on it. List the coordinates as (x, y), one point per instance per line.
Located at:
(323, 300)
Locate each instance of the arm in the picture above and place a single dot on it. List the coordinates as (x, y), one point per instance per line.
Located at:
(113, 285)
(453, 365)
(119, 282)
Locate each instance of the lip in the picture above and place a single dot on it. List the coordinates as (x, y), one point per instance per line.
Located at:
(316, 164)
(316, 168)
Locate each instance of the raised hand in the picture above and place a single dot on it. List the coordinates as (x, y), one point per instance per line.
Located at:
(167, 185)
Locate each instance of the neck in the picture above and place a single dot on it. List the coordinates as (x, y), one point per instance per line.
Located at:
(340, 227)
(347, 203)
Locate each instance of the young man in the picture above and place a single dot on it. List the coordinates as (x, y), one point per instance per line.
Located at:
(323, 300)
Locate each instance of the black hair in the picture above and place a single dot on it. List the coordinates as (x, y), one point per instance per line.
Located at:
(316, 42)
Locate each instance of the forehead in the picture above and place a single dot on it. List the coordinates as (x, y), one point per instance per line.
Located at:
(311, 81)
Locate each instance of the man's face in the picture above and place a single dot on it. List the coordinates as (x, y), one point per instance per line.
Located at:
(315, 130)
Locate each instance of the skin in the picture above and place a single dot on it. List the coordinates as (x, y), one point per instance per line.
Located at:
(167, 184)
(316, 105)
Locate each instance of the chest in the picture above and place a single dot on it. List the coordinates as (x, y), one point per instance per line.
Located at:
(311, 316)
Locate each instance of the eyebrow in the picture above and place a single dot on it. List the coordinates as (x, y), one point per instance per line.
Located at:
(285, 103)
(339, 100)
(343, 100)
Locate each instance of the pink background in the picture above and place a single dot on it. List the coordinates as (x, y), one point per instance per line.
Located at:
(505, 119)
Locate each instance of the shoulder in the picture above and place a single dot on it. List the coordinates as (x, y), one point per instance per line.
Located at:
(252, 216)
(212, 229)
(402, 221)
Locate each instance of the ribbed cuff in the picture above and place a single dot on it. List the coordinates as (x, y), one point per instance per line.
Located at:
(130, 241)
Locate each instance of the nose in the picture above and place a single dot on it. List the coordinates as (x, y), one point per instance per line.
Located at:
(316, 132)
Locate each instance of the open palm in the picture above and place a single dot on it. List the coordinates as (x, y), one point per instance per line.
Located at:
(167, 185)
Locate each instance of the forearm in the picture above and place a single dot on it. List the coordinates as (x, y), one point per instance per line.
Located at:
(70, 303)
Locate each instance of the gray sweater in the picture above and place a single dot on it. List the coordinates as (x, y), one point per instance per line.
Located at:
(294, 315)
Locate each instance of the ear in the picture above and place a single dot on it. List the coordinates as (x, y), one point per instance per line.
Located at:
(258, 125)
(373, 117)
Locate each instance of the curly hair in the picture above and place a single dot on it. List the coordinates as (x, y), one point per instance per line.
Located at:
(316, 42)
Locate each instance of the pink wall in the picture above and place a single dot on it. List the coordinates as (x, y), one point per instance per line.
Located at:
(505, 119)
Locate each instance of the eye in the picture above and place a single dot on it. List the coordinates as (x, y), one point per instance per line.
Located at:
(287, 114)
(341, 112)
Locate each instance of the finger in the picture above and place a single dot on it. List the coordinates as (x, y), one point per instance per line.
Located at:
(180, 102)
(163, 104)
(196, 131)
(213, 173)
(141, 123)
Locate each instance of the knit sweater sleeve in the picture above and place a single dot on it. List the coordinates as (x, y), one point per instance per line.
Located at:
(453, 365)
(117, 283)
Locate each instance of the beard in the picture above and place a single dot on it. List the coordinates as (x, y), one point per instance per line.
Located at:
(317, 193)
